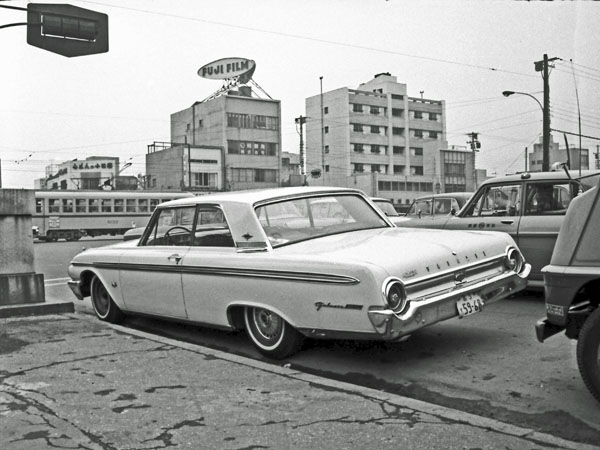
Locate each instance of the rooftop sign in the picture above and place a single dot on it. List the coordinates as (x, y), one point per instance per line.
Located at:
(227, 68)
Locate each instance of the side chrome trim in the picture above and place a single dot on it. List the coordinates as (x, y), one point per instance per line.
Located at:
(234, 272)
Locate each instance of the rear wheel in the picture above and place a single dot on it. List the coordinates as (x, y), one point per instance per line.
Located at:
(272, 335)
(104, 306)
(588, 353)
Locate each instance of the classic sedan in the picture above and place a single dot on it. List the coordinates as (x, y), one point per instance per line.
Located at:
(276, 264)
(530, 207)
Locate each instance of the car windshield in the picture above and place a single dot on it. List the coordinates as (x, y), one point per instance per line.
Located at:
(386, 207)
(297, 220)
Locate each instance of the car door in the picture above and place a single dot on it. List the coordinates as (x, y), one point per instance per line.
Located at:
(496, 207)
(208, 268)
(150, 274)
(545, 206)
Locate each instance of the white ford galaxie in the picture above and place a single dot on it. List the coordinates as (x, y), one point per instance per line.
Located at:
(290, 263)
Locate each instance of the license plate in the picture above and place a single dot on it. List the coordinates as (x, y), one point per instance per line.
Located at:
(469, 304)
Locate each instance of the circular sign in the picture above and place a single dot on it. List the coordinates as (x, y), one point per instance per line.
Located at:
(225, 68)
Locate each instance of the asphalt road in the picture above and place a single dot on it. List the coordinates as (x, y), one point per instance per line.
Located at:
(489, 364)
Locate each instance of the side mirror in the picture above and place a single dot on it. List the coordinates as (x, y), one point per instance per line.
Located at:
(419, 214)
(453, 212)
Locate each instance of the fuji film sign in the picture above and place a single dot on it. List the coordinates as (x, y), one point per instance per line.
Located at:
(226, 68)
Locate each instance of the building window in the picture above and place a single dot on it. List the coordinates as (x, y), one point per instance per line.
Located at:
(358, 168)
(416, 151)
(327, 168)
(396, 112)
(358, 147)
(327, 149)
(200, 125)
(376, 168)
(375, 148)
(397, 97)
(374, 129)
(238, 120)
(265, 175)
(417, 115)
(375, 110)
(397, 131)
(433, 116)
(326, 129)
(357, 108)
(251, 148)
(398, 170)
(433, 134)
(204, 180)
(418, 133)
(416, 170)
(357, 127)
(326, 110)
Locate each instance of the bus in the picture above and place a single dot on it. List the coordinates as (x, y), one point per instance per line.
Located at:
(69, 215)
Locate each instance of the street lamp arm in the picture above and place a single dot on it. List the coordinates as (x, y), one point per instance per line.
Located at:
(509, 93)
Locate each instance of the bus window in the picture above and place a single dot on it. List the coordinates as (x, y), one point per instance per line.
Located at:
(106, 204)
(143, 204)
(93, 205)
(67, 205)
(53, 205)
(80, 205)
(154, 203)
(119, 205)
(39, 205)
(131, 205)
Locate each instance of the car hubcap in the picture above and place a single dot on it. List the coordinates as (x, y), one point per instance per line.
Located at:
(101, 300)
(267, 324)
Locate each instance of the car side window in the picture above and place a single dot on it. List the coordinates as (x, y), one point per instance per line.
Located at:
(547, 198)
(420, 207)
(211, 228)
(171, 226)
(442, 206)
(503, 200)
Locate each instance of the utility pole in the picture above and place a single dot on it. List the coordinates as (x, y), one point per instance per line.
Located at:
(542, 66)
(301, 121)
(322, 132)
(525, 159)
(475, 146)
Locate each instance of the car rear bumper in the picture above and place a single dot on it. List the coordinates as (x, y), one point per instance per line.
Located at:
(390, 325)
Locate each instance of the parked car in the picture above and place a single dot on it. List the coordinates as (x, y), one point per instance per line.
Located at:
(387, 206)
(572, 286)
(430, 206)
(529, 206)
(231, 261)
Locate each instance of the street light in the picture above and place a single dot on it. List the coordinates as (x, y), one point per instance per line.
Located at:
(545, 128)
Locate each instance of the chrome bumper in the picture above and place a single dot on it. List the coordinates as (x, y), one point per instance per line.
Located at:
(391, 325)
(76, 288)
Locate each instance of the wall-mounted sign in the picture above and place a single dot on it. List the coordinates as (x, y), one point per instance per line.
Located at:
(226, 68)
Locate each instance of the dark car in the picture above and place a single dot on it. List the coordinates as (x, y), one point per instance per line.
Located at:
(572, 286)
(530, 207)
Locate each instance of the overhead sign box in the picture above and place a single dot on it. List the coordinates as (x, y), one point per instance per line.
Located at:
(226, 68)
(66, 29)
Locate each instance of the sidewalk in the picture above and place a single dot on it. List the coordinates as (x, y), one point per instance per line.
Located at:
(71, 381)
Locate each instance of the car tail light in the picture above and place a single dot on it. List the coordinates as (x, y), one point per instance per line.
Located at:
(395, 295)
(514, 260)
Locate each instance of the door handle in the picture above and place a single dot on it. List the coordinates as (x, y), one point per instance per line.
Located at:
(175, 257)
(507, 222)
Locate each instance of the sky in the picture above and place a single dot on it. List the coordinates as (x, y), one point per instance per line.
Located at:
(54, 109)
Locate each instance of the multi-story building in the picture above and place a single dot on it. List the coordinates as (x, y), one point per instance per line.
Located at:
(246, 127)
(184, 167)
(94, 172)
(578, 158)
(381, 140)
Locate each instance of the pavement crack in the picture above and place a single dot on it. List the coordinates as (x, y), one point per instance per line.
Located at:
(167, 435)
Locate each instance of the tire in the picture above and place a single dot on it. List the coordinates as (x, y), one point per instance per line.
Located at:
(103, 304)
(588, 353)
(271, 335)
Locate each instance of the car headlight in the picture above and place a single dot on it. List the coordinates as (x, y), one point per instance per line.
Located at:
(395, 295)
(514, 260)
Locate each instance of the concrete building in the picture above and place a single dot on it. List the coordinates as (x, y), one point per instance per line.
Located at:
(379, 139)
(290, 169)
(90, 173)
(578, 157)
(246, 127)
(184, 167)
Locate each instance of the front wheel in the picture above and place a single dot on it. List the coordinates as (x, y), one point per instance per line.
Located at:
(272, 335)
(588, 353)
(104, 306)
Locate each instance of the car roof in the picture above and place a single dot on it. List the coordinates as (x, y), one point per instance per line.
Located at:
(254, 196)
(465, 195)
(536, 176)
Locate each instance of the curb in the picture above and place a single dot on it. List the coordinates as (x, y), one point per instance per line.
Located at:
(36, 309)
